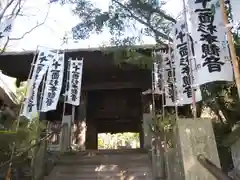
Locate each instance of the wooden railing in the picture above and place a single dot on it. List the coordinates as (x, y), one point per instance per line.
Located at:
(212, 168)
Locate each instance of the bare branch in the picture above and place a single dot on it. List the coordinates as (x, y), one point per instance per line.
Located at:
(16, 8)
(16, 11)
(160, 34)
(5, 46)
(33, 28)
(5, 9)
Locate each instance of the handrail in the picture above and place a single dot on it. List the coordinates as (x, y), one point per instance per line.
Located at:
(32, 146)
(156, 153)
(212, 168)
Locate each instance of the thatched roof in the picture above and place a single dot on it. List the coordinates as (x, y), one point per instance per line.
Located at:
(7, 94)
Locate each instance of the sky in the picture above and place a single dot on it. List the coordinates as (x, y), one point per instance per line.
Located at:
(60, 19)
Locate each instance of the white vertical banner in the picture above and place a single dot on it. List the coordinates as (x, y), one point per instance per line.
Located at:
(169, 79)
(183, 60)
(157, 77)
(6, 29)
(74, 82)
(53, 84)
(154, 76)
(212, 55)
(6, 26)
(30, 109)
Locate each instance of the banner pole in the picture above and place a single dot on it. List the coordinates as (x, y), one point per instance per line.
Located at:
(194, 107)
(153, 90)
(64, 44)
(35, 150)
(33, 63)
(231, 46)
(162, 85)
(174, 82)
(8, 175)
(72, 122)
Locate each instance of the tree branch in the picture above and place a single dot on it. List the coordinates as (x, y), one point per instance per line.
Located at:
(18, 7)
(32, 29)
(160, 12)
(4, 46)
(164, 36)
(5, 9)
(26, 33)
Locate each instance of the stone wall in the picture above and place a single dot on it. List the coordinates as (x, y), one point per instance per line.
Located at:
(192, 137)
(236, 154)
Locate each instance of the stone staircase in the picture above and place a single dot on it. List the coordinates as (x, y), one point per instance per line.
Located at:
(125, 164)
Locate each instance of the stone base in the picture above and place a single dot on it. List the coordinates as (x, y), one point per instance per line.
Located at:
(236, 155)
(193, 137)
(147, 120)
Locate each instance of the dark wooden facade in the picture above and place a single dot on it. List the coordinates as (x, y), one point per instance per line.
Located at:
(114, 102)
(115, 110)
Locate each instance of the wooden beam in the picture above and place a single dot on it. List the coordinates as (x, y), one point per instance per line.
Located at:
(113, 85)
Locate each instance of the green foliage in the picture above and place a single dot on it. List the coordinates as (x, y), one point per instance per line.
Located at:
(141, 16)
(22, 137)
(118, 140)
(161, 124)
(21, 91)
(148, 18)
(132, 56)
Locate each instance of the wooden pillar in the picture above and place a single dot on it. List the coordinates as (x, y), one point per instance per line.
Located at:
(141, 135)
(80, 127)
(38, 161)
(91, 140)
(64, 145)
(91, 130)
(146, 120)
(66, 133)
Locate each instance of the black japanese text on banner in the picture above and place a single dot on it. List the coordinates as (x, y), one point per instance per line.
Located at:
(6, 26)
(53, 84)
(212, 55)
(45, 57)
(75, 82)
(183, 73)
(169, 79)
(157, 89)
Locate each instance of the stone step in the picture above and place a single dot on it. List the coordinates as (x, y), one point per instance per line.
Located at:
(97, 175)
(131, 158)
(103, 160)
(102, 178)
(101, 174)
(103, 165)
(106, 159)
(92, 154)
(112, 151)
(102, 169)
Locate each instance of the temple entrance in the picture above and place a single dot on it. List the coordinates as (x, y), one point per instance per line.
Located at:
(114, 111)
(126, 140)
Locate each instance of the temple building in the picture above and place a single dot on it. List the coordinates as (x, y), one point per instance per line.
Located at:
(111, 98)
